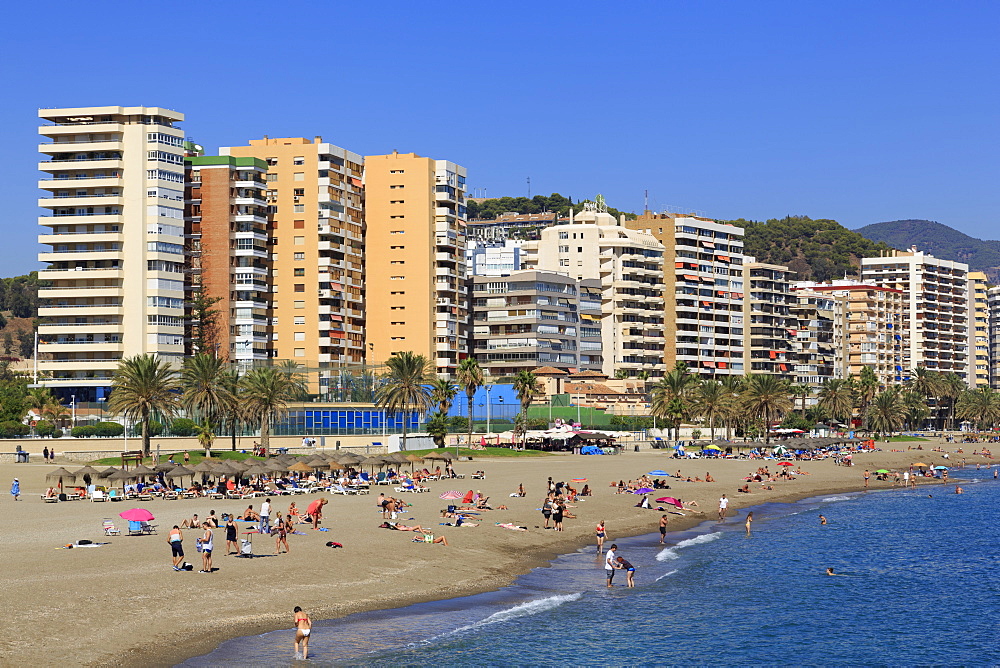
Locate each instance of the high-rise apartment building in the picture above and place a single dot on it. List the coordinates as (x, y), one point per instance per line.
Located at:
(993, 300)
(817, 338)
(936, 301)
(875, 331)
(531, 319)
(115, 218)
(979, 331)
(315, 197)
(703, 289)
(767, 319)
(629, 265)
(229, 248)
(416, 239)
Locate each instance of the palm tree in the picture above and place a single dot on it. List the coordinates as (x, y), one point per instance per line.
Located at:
(671, 397)
(264, 394)
(141, 385)
(714, 403)
(766, 398)
(443, 392)
(928, 384)
(206, 395)
(232, 414)
(206, 435)
(886, 412)
(526, 385)
(734, 389)
(470, 377)
(952, 387)
(865, 387)
(437, 426)
(801, 392)
(836, 398)
(981, 406)
(405, 387)
(916, 409)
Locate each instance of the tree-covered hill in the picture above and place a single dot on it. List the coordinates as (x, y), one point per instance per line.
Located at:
(817, 250)
(939, 240)
(489, 209)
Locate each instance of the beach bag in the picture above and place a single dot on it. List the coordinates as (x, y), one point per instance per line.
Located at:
(333, 544)
(187, 567)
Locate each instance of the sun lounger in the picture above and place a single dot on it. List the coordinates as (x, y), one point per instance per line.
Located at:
(340, 489)
(110, 529)
(114, 495)
(49, 499)
(475, 476)
(98, 495)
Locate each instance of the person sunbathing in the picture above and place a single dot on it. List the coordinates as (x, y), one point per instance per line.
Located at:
(428, 537)
(483, 503)
(193, 523)
(709, 478)
(745, 489)
(51, 493)
(250, 514)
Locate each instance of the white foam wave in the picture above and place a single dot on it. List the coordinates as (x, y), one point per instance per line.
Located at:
(670, 552)
(836, 498)
(521, 610)
(668, 573)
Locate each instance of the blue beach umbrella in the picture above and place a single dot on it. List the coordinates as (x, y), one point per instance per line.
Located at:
(657, 472)
(940, 468)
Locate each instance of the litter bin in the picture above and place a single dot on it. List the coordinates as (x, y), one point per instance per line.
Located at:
(282, 451)
(637, 447)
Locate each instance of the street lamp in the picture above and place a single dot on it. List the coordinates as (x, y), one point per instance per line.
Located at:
(488, 387)
(73, 404)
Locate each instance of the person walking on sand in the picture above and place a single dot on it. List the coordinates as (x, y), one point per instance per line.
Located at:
(547, 509)
(303, 627)
(15, 489)
(867, 475)
(723, 504)
(280, 534)
(265, 517)
(231, 542)
(175, 539)
(558, 510)
(663, 528)
(749, 521)
(610, 564)
(601, 534)
(206, 548)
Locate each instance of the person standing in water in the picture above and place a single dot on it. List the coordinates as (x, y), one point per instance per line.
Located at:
(822, 520)
(303, 627)
(663, 528)
(610, 564)
(749, 521)
(723, 504)
(629, 569)
(601, 534)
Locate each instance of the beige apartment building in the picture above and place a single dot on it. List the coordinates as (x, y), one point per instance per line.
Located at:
(875, 330)
(629, 265)
(979, 331)
(415, 264)
(114, 213)
(703, 289)
(767, 319)
(817, 338)
(315, 199)
(936, 307)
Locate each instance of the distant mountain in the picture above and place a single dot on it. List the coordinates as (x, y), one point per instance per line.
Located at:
(940, 241)
(816, 250)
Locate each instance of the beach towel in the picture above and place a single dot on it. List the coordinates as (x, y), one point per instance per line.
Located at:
(511, 526)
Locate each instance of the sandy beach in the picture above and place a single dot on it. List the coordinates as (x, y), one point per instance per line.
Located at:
(122, 604)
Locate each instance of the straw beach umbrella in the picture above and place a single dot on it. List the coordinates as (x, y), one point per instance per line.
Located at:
(122, 474)
(142, 470)
(106, 472)
(300, 467)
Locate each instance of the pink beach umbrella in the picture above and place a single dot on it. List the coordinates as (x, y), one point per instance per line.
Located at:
(137, 515)
(669, 499)
(451, 496)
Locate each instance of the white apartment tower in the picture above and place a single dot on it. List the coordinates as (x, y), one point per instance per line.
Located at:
(114, 209)
(935, 307)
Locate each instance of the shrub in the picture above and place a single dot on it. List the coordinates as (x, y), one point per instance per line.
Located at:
(155, 428)
(183, 427)
(12, 429)
(458, 423)
(83, 432)
(108, 429)
(58, 433)
(45, 428)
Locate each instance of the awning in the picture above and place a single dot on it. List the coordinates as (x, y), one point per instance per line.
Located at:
(338, 318)
(708, 244)
(738, 295)
(721, 293)
(724, 258)
(710, 365)
(709, 304)
(689, 277)
(678, 265)
(773, 354)
(783, 367)
(722, 365)
(793, 332)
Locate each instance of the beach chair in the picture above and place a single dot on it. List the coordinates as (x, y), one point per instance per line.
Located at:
(477, 476)
(110, 529)
(147, 528)
(340, 489)
(49, 499)
(98, 495)
(113, 495)
(382, 478)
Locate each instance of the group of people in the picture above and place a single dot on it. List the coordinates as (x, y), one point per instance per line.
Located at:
(612, 563)
(556, 505)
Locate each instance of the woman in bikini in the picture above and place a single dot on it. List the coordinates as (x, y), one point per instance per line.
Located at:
(303, 627)
(600, 537)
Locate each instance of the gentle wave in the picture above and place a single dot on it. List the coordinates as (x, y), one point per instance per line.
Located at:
(836, 498)
(670, 552)
(667, 574)
(525, 609)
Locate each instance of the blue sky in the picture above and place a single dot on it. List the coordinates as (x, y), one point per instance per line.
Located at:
(858, 111)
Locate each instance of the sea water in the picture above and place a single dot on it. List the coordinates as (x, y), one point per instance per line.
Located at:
(917, 584)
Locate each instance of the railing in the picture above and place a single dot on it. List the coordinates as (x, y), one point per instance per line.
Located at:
(78, 343)
(85, 269)
(80, 306)
(87, 195)
(64, 215)
(61, 234)
(83, 159)
(79, 141)
(82, 178)
(79, 287)
(78, 324)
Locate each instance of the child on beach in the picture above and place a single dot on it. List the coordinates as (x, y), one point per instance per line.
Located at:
(623, 564)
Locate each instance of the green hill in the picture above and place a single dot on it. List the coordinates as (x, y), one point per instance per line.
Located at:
(940, 241)
(817, 250)
(489, 209)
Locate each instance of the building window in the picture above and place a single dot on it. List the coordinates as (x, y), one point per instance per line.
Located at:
(397, 216)
(564, 249)
(299, 176)
(300, 271)
(396, 247)
(396, 232)
(564, 235)
(299, 224)
(272, 177)
(298, 256)
(396, 171)
(299, 304)
(396, 201)
(398, 292)
(300, 352)
(299, 241)
(299, 192)
(397, 262)
(300, 287)
(298, 208)
(298, 160)
(395, 278)
(299, 320)
(299, 336)
(397, 187)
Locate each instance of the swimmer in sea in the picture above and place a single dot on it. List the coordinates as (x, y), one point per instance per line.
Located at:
(829, 571)
(959, 490)
(822, 520)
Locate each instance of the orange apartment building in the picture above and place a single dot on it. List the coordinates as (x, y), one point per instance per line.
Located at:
(315, 199)
(227, 243)
(415, 265)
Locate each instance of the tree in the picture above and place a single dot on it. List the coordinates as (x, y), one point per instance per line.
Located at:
(232, 416)
(928, 384)
(141, 385)
(206, 395)
(672, 396)
(264, 394)
(802, 392)
(916, 409)
(952, 387)
(621, 374)
(470, 377)
(443, 392)
(405, 387)
(980, 406)
(205, 337)
(437, 426)
(766, 398)
(865, 387)
(886, 412)
(205, 435)
(836, 398)
(713, 402)
(26, 343)
(526, 386)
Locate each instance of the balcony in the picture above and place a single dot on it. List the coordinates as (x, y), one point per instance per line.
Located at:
(69, 292)
(81, 146)
(52, 274)
(88, 163)
(58, 328)
(81, 237)
(81, 347)
(81, 255)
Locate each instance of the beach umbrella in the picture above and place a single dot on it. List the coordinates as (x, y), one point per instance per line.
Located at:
(920, 464)
(940, 468)
(671, 500)
(398, 458)
(316, 460)
(785, 464)
(106, 472)
(87, 470)
(141, 470)
(257, 471)
(374, 460)
(657, 472)
(121, 474)
(711, 447)
(204, 467)
(60, 473)
(414, 458)
(275, 466)
(443, 456)
(180, 472)
(337, 466)
(163, 467)
(350, 458)
(300, 467)
(882, 471)
(452, 495)
(643, 490)
(137, 515)
(578, 479)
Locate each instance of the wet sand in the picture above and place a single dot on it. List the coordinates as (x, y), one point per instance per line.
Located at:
(123, 604)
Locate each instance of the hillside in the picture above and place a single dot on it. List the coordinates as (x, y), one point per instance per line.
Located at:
(817, 250)
(939, 240)
(489, 209)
